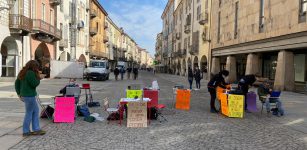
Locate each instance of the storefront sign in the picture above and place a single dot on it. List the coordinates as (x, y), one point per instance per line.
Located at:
(137, 114)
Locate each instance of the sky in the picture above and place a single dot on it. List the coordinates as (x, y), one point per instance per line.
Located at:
(141, 19)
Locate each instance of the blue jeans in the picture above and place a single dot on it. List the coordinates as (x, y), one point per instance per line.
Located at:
(191, 82)
(278, 105)
(32, 115)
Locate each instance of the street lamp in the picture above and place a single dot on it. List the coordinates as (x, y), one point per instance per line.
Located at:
(10, 3)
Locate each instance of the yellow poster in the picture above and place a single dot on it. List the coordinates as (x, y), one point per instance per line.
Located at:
(235, 105)
(134, 93)
(224, 104)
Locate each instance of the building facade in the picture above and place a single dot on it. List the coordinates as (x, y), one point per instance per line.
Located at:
(98, 38)
(256, 37)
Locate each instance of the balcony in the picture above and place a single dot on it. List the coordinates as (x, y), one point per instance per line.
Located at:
(93, 13)
(178, 36)
(45, 32)
(204, 17)
(106, 25)
(193, 51)
(187, 29)
(165, 55)
(93, 31)
(20, 24)
(184, 52)
(124, 50)
(55, 2)
(105, 39)
(98, 54)
(63, 43)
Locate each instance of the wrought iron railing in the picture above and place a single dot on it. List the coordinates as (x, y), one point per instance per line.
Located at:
(45, 27)
(17, 21)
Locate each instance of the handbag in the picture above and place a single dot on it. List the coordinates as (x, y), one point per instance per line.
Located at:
(83, 111)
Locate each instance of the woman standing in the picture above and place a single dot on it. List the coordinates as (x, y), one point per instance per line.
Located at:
(197, 77)
(25, 85)
(190, 77)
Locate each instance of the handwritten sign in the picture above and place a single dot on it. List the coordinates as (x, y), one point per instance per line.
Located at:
(235, 105)
(134, 93)
(137, 114)
(183, 99)
(224, 104)
(64, 109)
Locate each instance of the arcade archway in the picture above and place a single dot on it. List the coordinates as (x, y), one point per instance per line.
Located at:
(195, 62)
(9, 58)
(204, 66)
(42, 55)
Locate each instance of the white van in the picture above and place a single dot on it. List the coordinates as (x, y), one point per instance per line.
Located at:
(97, 70)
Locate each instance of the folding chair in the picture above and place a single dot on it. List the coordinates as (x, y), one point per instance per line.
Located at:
(73, 92)
(44, 106)
(110, 110)
(88, 93)
(272, 99)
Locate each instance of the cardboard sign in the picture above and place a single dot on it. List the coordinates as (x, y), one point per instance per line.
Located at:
(235, 105)
(183, 99)
(137, 114)
(224, 104)
(134, 93)
(251, 100)
(64, 109)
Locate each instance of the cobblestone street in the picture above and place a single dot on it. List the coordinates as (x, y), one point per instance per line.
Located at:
(193, 129)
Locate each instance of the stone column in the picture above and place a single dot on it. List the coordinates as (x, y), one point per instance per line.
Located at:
(252, 64)
(284, 77)
(216, 65)
(231, 66)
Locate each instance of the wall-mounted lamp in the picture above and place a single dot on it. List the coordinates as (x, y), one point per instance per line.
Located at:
(10, 3)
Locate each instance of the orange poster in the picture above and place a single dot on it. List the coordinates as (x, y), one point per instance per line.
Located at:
(224, 104)
(183, 99)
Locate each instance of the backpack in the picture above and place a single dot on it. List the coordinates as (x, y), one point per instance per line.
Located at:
(48, 110)
(153, 113)
(83, 111)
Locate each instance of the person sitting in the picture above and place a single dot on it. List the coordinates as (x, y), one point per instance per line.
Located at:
(264, 92)
(71, 83)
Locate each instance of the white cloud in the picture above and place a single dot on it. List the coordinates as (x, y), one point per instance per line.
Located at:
(141, 21)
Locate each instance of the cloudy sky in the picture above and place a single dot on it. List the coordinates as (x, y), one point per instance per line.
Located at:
(141, 19)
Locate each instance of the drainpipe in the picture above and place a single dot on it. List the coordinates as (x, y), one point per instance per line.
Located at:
(210, 51)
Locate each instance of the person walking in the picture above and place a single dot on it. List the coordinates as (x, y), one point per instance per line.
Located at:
(122, 72)
(198, 77)
(217, 80)
(129, 70)
(25, 85)
(135, 73)
(190, 77)
(244, 84)
(116, 73)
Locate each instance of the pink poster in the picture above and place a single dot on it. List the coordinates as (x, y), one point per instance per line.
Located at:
(64, 109)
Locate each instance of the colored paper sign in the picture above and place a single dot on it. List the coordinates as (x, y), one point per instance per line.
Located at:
(224, 104)
(64, 109)
(153, 95)
(137, 115)
(183, 99)
(235, 105)
(251, 102)
(134, 93)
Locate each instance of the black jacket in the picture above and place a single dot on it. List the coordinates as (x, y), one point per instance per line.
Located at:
(217, 80)
(190, 74)
(197, 75)
(116, 71)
